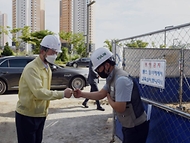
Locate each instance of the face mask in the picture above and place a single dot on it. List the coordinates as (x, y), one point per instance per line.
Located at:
(51, 58)
(103, 74)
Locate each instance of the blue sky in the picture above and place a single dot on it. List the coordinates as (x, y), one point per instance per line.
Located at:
(118, 19)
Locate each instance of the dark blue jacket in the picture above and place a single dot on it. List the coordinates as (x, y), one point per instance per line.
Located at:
(92, 75)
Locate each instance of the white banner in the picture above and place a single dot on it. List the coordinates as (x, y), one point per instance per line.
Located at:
(152, 72)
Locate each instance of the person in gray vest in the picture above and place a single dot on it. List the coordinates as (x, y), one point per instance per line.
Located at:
(93, 80)
(122, 94)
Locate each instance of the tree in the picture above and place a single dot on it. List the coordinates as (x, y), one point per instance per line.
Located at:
(64, 55)
(66, 37)
(162, 46)
(136, 44)
(26, 36)
(75, 42)
(79, 44)
(109, 44)
(7, 50)
(17, 42)
(36, 38)
(12, 34)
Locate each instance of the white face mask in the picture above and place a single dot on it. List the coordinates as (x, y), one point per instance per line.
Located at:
(51, 58)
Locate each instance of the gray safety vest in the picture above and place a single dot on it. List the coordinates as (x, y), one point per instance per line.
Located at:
(134, 114)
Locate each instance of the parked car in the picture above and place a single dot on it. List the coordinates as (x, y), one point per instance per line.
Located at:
(82, 62)
(11, 68)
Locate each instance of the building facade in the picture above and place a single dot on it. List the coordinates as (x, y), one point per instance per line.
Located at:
(3, 23)
(65, 16)
(77, 17)
(28, 13)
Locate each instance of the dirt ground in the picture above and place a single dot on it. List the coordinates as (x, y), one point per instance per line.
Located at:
(67, 122)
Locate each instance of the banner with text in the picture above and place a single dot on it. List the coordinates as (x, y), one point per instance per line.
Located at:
(152, 72)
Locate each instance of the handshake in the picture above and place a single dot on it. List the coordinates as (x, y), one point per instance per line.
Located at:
(68, 92)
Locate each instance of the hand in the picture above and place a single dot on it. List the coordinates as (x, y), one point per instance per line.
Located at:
(77, 93)
(68, 92)
(108, 96)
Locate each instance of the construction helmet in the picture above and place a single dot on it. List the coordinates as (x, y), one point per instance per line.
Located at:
(99, 56)
(51, 42)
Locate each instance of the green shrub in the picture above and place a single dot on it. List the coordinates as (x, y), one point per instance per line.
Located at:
(7, 51)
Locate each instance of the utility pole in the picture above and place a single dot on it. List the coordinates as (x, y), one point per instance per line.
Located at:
(87, 32)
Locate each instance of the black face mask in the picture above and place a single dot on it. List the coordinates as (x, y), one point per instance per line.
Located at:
(103, 74)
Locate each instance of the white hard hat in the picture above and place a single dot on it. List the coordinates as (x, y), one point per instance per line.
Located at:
(51, 42)
(99, 56)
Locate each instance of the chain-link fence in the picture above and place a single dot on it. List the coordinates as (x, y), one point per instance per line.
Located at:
(170, 118)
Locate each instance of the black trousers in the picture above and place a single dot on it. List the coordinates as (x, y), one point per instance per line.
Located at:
(29, 129)
(136, 134)
(93, 88)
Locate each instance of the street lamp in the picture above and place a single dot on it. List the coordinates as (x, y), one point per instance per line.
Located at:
(87, 32)
(167, 27)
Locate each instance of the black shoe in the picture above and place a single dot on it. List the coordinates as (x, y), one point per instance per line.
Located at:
(100, 108)
(84, 104)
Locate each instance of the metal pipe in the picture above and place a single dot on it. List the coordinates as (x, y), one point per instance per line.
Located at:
(155, 32)
(167, 27)
(164, 107)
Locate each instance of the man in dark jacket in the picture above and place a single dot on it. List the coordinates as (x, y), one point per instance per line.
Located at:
(93, 79)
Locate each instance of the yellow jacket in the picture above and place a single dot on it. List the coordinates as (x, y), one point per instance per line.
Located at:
(34, 90)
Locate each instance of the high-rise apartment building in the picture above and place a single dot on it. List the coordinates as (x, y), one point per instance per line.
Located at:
(65, 16)
(80, 16)
(73, 18)
(3, 23)
(28, 13)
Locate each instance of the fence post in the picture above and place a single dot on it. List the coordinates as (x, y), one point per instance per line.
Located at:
(181, 67)
(113, 123)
